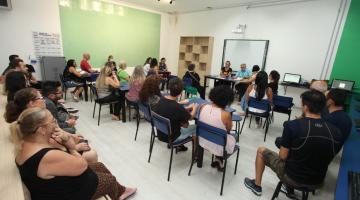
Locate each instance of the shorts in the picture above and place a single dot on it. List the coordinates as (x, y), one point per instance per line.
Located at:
(273, 161)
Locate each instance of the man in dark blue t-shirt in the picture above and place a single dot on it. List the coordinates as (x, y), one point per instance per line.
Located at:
(307, 147)
(337, 116)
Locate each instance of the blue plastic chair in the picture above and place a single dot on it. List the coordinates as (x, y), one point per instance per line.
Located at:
(66, 85)
(163, 124)
(145, 109)
(282, 104)
(261, 105)
(217, 136)
(237, 119)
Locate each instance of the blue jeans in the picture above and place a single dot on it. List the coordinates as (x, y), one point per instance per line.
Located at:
(186, 132)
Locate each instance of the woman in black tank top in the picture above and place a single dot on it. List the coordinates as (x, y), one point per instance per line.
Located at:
(50, 173)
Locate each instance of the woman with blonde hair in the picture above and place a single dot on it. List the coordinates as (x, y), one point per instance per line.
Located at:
(122, 74)
(136, 82)
(107, 85)
(44, 168)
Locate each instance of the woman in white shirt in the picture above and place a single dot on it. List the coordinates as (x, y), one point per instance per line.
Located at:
(147, 65)
(214, 114)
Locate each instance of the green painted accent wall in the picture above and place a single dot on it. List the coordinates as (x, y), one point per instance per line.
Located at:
(347, 61)
(132, 35)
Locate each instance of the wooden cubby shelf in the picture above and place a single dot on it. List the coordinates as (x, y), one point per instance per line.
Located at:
(196, 50)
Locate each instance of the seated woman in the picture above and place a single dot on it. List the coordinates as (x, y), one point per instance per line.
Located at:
(122, 74)
(30, 98)
(162, 65)
(214, 114)
(107, 85)
(14, 81)
(73, 77)
(31, 78)
(135, 84)
(274, 77)
(195, 79)
(225, 72)
(147, 65)
(150, 91)
(51, 173)
(259, 90)
(154, 68)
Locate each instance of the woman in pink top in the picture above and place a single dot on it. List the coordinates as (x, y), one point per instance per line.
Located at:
(214, 114)
(135, 84)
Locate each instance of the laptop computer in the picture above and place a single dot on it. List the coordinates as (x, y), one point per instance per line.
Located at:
(292, 78)
(343, 84)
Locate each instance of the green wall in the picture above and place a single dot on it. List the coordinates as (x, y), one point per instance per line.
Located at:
(127, 34)
(347, 61)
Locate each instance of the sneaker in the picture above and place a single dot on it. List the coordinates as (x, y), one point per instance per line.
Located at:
(289, 192)
(76, 99)
(181, 148)
(250, 183)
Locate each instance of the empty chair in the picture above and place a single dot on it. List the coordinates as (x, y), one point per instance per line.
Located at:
(282, 104)
(145, 109)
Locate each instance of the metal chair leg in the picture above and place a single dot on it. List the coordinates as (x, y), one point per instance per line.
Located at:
(99, 115)
(171, 157)
(242, 126)
(237, 159)
(94, 110)
(152, 139)
(250, 121)
(305, 195)
(223, 178)
(266, 129)
(137, 123)
(192, 157)
(277, 190)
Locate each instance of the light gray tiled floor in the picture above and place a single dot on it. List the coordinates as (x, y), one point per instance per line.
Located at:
(127, 159)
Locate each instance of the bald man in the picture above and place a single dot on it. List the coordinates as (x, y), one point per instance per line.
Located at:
(84, 64)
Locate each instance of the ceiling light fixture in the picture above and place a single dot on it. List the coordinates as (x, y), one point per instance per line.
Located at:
(167, 1)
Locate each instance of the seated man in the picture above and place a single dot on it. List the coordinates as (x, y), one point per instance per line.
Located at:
(84, 64)
(247, 78)
(51, 90)
(307, 147)
(337, 116)
(178, 115)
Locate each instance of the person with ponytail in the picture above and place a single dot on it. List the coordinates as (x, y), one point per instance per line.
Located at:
(29, 98)
(51, 173)
(259, 90)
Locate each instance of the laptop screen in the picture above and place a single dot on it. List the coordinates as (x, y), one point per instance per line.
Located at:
(343, 84)
(292, 78)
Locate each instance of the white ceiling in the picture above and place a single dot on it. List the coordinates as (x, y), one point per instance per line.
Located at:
(185, 6)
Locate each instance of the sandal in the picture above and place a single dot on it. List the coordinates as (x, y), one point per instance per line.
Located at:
(127, 193)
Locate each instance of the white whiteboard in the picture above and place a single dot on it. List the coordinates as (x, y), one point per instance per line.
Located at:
(250, 52)
(47, 44)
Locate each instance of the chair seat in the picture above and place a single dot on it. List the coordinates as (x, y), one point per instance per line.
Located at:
(181, 142)
(191, 90)
(236, 117)
(281, 109)
(266, 114)
(70, 84)
(101, 101)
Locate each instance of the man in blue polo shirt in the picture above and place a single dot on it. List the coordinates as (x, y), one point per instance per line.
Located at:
(244, 72)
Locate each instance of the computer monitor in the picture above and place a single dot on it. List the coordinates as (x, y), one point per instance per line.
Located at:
(343, 84)
(292, 78)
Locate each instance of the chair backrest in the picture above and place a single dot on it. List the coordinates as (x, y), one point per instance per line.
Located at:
(261, 105)
(282, 101)
(61, 76)
(187, 82)
(161, 123)
(94, 91)
(210, 133)
(145, 108)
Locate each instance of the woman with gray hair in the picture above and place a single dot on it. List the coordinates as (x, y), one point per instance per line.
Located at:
(50, 173)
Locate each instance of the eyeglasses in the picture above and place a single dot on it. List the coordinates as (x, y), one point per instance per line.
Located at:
(38, 98)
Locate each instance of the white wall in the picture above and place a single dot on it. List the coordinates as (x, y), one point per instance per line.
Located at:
(299, 33)
(17, 26)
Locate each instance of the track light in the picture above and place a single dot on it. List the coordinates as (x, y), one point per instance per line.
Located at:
(171, 1)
